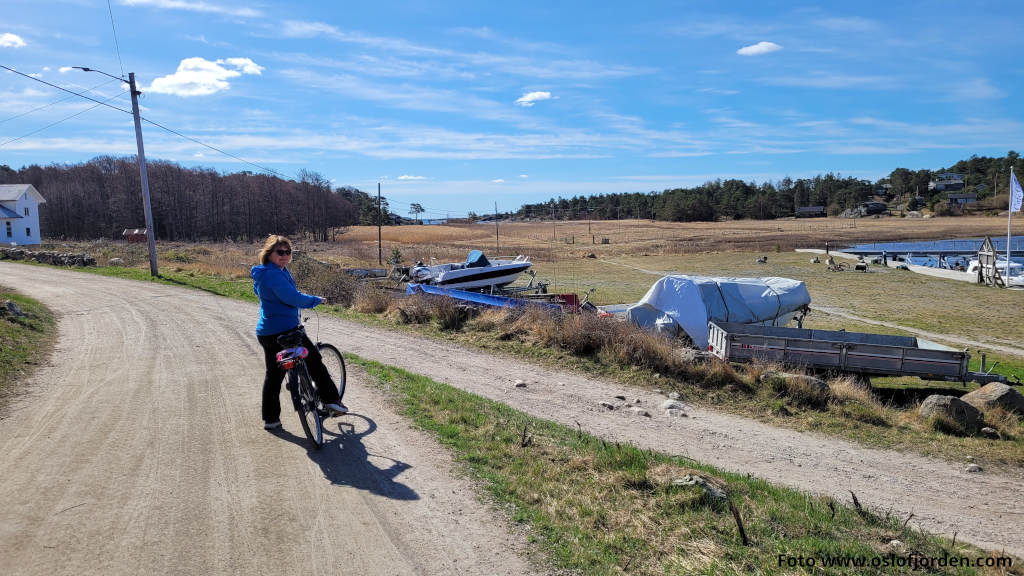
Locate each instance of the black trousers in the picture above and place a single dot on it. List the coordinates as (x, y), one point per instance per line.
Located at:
(272, 382)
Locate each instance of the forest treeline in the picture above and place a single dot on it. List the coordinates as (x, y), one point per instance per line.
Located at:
(101, 197)
(738, 199)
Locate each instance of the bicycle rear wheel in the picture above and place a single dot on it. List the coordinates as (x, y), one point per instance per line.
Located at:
(335, 365)
(309, 416)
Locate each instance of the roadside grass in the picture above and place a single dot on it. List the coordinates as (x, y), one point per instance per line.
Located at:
(632, 356)
(25, 341)
(606, 508)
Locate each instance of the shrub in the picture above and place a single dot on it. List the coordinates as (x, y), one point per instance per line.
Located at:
(449, 313)
(415, 309)
(371, 299)
(323, 279)
(1008, 424)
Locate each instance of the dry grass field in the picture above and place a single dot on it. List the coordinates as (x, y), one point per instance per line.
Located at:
(571, 257)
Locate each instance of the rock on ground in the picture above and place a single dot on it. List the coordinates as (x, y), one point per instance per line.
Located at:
(953, 408)
(996, 394)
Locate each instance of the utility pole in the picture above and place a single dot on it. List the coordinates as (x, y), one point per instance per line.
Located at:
(380, 222)
(497, 248)
(150, 231)
(151, 235)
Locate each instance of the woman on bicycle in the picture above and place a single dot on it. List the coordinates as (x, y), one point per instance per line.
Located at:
(280, 302)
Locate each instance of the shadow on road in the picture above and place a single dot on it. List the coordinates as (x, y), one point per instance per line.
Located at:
(345, 461)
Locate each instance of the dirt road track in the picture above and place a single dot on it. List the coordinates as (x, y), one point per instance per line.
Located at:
(164, 444)
(139, 449)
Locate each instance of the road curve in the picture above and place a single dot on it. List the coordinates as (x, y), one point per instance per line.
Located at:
(985, 509)
(138, 449)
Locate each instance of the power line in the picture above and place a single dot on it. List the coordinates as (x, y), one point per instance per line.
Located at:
(240, 159)
(114, 30)
(16, 116)
(79, 113)
(40, 80)
(158, 125)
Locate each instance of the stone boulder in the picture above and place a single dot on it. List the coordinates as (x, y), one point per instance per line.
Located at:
(996, 394)
(966, 416)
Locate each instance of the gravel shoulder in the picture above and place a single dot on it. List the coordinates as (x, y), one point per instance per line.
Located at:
(181, 422)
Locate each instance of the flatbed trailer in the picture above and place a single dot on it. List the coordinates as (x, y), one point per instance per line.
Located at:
(856, 353)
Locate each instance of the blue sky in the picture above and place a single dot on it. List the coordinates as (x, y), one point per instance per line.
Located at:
(457, 105)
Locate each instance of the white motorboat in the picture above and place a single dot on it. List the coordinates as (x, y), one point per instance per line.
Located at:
(476, 273)
(1015, 277)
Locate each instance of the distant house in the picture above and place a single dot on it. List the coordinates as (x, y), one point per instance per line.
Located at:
(947, 182)
(810, 212)
(135, 235)
(960, 200)
(19, 214)
(869, 208)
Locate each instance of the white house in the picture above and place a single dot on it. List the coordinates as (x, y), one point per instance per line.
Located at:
(19, 214)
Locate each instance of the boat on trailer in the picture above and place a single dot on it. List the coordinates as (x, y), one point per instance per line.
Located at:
(476, 273)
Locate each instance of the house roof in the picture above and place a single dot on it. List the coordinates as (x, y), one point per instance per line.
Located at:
(9, 192)
(6, 214)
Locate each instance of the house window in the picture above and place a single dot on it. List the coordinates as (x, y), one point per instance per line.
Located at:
(26, 210)
(28, 232)
(8, 229)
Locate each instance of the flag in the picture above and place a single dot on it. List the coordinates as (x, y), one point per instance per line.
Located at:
(1016, 194)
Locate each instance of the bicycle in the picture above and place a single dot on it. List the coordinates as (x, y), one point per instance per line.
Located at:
(305, 397)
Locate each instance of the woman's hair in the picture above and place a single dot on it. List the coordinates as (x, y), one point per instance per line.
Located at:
(273, 241)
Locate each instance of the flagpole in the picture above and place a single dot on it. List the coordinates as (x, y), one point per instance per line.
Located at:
(1009, 220)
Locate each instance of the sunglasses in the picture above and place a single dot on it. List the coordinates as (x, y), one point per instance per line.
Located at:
(283, 252)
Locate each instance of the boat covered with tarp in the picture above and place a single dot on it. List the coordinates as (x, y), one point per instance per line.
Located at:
(678, 304)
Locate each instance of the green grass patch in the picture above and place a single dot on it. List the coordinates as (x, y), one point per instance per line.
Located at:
(597, 507)
(25, 341)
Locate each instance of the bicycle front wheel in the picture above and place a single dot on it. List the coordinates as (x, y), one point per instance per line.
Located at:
(335, 365)
(309, 416)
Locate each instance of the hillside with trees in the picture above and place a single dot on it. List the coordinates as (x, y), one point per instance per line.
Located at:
(736, 199)
(102, 197)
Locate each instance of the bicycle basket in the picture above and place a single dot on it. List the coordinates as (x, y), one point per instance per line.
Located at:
(286, 358)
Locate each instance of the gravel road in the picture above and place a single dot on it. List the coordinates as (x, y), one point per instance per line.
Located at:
(139, 449)
(152, 451)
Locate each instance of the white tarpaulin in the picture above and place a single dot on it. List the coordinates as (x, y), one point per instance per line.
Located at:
(688, 303)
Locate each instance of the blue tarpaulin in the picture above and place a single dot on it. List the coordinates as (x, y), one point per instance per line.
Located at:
(475, 297)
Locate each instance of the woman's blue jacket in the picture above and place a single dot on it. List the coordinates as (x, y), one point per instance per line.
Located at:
(280, 300)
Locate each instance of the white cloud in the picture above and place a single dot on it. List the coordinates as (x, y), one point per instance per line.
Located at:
(530, 98)
(246, 65)
(820, 79)
(8, 40)
(498, 181)
(36, 75)
(524, 175)
(408, 177)
(198, 6)
(201, 77)
(65, 69)
(299, 29)
(758, 49)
